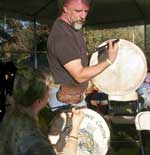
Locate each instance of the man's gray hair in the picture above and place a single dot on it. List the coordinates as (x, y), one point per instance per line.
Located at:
(61, 3)
(67, 1)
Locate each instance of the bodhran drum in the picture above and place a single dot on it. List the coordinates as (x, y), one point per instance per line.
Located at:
(125, 75)
(94, 133)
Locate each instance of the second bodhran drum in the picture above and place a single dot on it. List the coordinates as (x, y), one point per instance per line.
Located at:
(94, 134)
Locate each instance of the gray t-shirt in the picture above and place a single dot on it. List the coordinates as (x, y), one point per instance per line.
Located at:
(64, 45)
(19, 135)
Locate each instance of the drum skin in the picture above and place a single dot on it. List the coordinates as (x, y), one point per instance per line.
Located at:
(127, 72)
(94, 135)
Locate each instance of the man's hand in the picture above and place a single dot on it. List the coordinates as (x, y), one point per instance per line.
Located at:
(112, 51)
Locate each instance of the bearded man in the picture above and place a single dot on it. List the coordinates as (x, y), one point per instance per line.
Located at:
(67, 55)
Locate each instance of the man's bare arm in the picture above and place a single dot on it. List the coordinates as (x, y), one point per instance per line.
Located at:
(82, 74)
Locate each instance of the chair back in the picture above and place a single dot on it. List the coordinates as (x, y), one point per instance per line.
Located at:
(142, 120)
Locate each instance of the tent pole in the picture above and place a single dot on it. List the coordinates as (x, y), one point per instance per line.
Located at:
(35, 46)
(4, 29)
(144, 37)
(4, 23)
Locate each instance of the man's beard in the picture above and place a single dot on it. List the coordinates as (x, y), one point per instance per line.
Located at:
(77, 25)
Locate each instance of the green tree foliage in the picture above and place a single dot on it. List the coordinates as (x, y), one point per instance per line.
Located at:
(21, 38)
(95, 36)
(42, 35)
(148, 45)
(18, 41)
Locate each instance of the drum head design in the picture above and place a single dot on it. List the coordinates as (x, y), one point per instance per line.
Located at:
(126, 74)
(94, 133)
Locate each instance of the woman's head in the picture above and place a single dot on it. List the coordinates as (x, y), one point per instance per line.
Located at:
(30, 86)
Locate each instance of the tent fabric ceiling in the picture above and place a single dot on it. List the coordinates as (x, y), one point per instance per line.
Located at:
(102, 12)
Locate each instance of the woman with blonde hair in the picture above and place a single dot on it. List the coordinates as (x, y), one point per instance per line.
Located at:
(20, 133)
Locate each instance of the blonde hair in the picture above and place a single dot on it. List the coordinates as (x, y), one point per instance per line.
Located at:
(30, 86)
